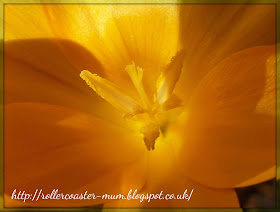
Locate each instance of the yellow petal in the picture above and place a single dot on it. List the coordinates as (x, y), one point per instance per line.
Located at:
(19, 23)
(165, 175)
(48, 147)
(229, 132)
(210, 33)
(202, 197)
(33, 75)
(119, 34)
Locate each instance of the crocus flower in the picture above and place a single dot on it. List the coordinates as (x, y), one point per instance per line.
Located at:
(180, 97)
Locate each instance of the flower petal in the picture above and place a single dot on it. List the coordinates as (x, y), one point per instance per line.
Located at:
(202, 197)
(165, 175)
(119, 34)
(49, 147)
(37, 71)
(20, 25)
(210, 33)
(229, 128)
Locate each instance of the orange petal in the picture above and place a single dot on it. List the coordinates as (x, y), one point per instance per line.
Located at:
(229, 130)
(119, 34)
(165, 175)
(37, 71)
(210, 33)
(19, 25)
(50, 147)
(200, 197)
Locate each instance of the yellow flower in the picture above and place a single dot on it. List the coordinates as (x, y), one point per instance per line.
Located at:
(204, 120)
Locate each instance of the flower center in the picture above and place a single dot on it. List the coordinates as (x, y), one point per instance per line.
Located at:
(152, 115)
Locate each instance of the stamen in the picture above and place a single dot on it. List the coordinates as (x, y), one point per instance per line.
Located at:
(110, 92)
(136, 75)
(169, 77)
(136, 111)
(151, 133)
(154, 116)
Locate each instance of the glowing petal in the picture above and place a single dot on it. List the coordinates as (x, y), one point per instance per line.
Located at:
(164, 175)
(20, 24)
(33, 75)
(231, 122)
(212, 32)
(70, 151)
(117, 34)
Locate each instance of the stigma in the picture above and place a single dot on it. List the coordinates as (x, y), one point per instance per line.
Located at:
(132, 108)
